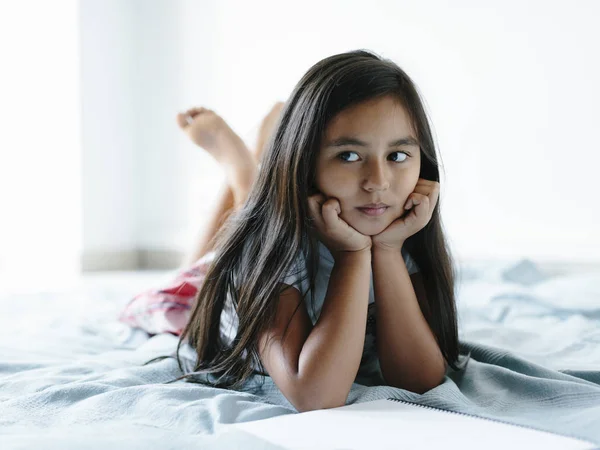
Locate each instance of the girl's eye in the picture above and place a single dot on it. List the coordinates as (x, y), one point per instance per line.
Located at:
(353, 156)
(397, 158)
(344, 156)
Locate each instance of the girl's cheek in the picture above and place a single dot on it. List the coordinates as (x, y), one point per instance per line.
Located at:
(325, 188)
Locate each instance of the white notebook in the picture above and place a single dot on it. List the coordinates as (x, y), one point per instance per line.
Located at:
(395, 424)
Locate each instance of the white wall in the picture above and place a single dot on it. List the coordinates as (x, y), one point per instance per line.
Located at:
(510, 86)
(40, 148)
(109, 126)
(138, 168)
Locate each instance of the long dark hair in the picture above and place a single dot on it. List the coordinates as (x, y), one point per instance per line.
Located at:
(258, 245)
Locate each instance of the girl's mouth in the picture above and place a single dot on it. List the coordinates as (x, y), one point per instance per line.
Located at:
(373, 211)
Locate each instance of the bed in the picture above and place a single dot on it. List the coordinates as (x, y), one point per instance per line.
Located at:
(72, 376)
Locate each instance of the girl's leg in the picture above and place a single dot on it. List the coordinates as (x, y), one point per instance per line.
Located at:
(267, 127)
(212, 133)
(204, 244)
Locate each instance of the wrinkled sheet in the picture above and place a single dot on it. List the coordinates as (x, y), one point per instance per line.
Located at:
(71, 375)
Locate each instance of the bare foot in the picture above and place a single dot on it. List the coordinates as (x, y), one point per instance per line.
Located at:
(208, 130)
(267, 127)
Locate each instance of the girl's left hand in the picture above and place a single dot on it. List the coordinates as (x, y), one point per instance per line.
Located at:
(424, 198)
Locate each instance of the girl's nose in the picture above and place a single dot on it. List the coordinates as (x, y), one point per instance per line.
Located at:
(375, 178)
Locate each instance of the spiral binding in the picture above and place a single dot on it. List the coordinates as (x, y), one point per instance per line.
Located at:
(527, 427)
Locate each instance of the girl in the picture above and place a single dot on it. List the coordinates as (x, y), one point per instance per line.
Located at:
(336, 264)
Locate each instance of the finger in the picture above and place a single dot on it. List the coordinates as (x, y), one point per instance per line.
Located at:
(409, 201)
(312, 203)
(314, 208)
(182, 120)
(424, 185)
(415, 199)
(318, 198)
(421, 203)
(434, 195)
(333, 203)
(193, 112)
(331, 211)
(432, 192)
(427, 187)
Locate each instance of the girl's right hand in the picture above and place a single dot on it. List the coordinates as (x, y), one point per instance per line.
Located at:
(333, 231)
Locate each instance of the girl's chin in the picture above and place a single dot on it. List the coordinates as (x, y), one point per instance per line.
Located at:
(368, 229)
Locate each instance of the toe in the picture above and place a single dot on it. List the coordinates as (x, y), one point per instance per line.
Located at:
(182, 120)
(193, 112)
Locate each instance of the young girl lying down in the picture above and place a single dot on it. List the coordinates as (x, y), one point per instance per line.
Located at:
(329, 258)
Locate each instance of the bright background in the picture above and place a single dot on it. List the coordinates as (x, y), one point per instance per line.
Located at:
(95, 174)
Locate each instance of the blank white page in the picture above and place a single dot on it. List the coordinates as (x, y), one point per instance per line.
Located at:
(384, 424)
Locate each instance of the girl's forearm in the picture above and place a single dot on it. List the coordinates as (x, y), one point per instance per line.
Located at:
(408, 352)
(330, 358)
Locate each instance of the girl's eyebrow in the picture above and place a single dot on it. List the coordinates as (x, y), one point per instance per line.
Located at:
(345, 140)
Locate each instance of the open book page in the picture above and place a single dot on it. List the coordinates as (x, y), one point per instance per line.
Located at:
(384, 424)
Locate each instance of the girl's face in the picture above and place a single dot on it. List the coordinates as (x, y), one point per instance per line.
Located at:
(369, 155)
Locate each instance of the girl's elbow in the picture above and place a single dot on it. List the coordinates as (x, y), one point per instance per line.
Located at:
(422, 384)
(317, 405)
(425, 387)
(311, 391)
(430, 382)
(420, 387)
(310, 399)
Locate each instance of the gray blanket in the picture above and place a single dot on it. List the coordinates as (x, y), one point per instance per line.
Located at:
(498, 385)
(111, 400)
(71, 377)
